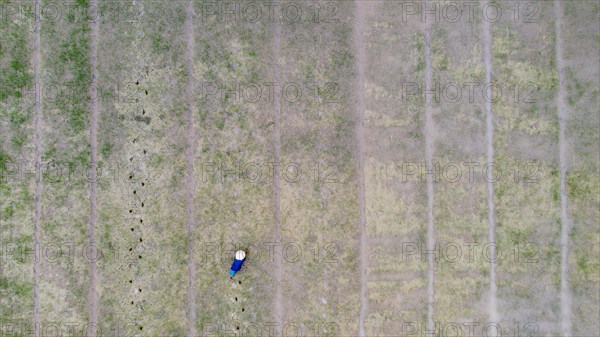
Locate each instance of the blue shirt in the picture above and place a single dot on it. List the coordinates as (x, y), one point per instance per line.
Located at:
(237, 265)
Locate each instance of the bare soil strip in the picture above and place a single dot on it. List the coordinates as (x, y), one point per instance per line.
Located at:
(429, 143)
(38, 163)
(487, 50)
(565, 296)
(93, 295)
(189, 30)
(360, 69)
(278, 312)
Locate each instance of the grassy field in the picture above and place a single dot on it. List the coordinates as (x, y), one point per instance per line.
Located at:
(336, 142)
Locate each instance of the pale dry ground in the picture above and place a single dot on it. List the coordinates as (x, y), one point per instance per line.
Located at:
(489, 133)
(93, 174)
(429, 135)
(276, 50)
(565, 219)
(38, 162)
(190, 173)
(360, 11)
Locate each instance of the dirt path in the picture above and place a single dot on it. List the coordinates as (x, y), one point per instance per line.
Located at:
(38, 164)
(429, 142)
(565, 296)
(487, 51)
(189, 32)
(278, 311)
(93, 300)
(360, 79)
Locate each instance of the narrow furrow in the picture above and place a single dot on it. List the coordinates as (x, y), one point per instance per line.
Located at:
(276, 179)
(189, 28)
(38, 163)
(429, 143)
(93, 295)
(565, 296)
(487, 51)
(360, 62)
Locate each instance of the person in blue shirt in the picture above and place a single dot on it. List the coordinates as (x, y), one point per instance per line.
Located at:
(240, 257)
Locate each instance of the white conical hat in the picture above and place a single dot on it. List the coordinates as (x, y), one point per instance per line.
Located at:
(240, 255)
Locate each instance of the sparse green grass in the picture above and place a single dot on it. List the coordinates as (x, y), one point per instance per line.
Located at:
(70, 56)
(14, 64)
(16, 204)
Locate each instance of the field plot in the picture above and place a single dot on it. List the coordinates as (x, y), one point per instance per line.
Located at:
(528, 207)
(527, 152)
(582, 92)
(233, 163)
(459, 163)
(17, 204)
(142, 221)
(64, 286)
(396, 210)
(318, 189)
(390, 168)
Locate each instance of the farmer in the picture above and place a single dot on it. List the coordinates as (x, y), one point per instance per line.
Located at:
(240, 257)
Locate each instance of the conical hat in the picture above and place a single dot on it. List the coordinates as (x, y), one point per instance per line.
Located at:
(240, 255)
